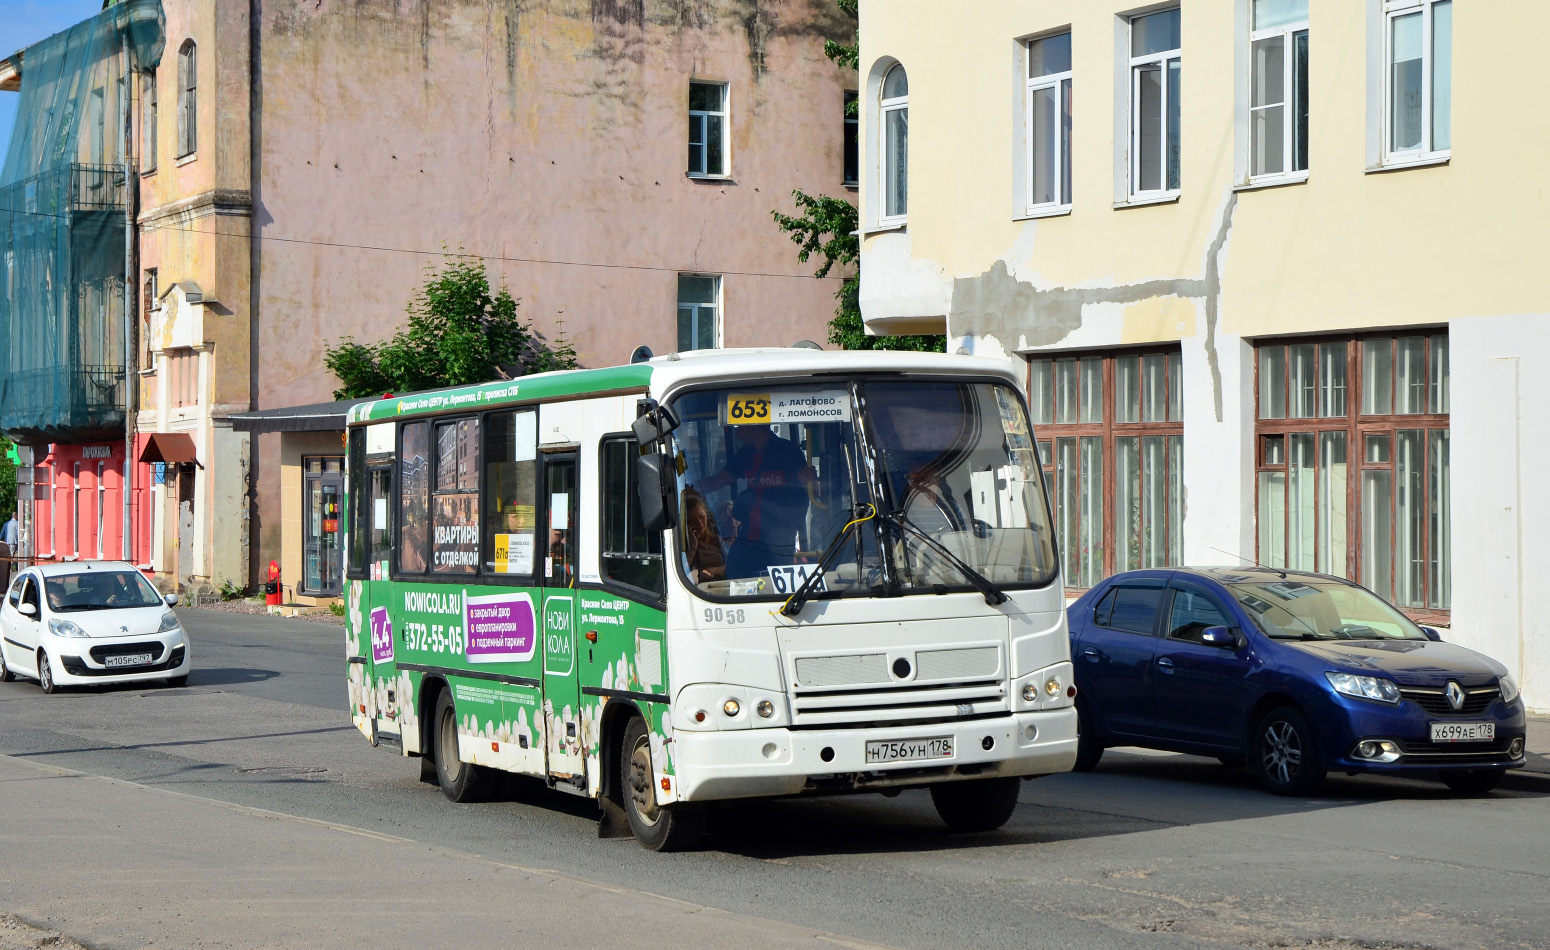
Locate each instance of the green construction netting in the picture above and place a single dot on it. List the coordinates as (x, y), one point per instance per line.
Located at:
(62, 215)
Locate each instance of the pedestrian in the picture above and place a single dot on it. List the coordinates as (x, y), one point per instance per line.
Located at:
(8, 533)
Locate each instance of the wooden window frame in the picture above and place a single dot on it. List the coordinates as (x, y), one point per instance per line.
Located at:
(1357, 426)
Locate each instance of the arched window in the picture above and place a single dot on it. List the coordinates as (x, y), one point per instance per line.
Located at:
(188, 99)
(894, 135)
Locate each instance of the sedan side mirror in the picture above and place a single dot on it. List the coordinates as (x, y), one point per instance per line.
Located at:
(171, 599)
(1222, 638)
(27, 610)
(1432, 634)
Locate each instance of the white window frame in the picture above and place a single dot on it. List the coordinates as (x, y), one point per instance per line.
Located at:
(885, 169)
(701, 118)
(1033, 85)
(1425, 154)
(696, 310)
(75, 518)
(1288, 120)
(1161, 59)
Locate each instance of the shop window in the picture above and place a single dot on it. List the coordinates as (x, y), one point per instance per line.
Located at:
(631, 555)
(1353, 463)
(510, 492)
(1112, 445)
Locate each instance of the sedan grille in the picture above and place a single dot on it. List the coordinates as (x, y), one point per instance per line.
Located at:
(1435, 701)
(1448, 752)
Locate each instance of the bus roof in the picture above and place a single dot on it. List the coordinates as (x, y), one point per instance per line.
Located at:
(661, 374)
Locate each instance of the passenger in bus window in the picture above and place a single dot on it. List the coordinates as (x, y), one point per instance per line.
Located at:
(707, 562)
(560, 556)
(776, 474)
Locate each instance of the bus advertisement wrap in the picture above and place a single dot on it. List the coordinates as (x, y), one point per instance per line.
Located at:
(381, 636)
(499, 628)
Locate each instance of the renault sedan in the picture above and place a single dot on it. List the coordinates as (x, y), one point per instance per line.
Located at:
(90, 622)
(1292, 674)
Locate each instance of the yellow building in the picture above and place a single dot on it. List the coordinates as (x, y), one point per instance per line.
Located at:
(1275, 270)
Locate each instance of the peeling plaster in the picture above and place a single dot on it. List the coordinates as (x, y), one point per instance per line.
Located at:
(1214, 298)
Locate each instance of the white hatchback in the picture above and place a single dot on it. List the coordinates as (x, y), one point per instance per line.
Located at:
(71, 624)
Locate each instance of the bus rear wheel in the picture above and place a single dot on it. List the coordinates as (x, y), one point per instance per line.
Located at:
(460, 781)
(657, 827)
(976, 804)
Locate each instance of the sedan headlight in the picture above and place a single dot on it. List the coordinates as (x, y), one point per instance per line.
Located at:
(66, 628)
(1509, 688)
(1364, 687)
(169, 622)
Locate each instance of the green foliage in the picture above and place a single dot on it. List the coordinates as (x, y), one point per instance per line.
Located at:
(460, 331)
(336, 608)
(7, 481)
(231, 590)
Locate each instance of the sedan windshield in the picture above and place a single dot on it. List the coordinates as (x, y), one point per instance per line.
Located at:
(771, 476)
(1295, 608)
(99, 590)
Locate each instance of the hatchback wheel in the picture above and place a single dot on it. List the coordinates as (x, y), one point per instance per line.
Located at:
(1285, 755)
(1473, 781)
(46, 674)
(6, 675)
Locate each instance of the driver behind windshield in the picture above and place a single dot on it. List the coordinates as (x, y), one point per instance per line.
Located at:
(773, 507)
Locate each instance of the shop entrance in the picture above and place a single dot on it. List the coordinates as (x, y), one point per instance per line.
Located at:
(322, 490)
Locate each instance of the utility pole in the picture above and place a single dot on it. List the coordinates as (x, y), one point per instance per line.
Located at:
(130, 194)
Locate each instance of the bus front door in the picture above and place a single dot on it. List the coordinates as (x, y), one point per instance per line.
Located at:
(562, 682)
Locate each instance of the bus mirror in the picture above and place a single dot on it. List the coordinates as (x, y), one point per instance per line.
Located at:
(653, 487)
(655, 422)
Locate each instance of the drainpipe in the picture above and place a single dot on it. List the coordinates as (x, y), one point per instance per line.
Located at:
(130, 194)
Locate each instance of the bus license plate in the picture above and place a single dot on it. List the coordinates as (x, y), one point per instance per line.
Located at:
(1463, 731)
(909, 750)
(128, 659)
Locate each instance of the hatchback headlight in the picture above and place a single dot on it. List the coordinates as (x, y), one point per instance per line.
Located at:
(169, 622)
(1509, 688)
(1364, 687)
(66, 628)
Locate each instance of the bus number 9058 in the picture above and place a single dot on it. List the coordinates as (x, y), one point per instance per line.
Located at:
(729, 615)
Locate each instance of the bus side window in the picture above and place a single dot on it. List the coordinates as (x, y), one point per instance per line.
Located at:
(631, 556)
(455, 502)
(359, 503)
(414, 486)
(510, 493)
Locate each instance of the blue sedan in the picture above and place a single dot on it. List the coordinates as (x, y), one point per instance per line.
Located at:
(1293, 674)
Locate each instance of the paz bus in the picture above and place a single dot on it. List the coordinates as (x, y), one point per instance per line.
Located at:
(712, 575)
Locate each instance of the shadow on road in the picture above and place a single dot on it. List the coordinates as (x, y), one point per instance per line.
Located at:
(229, 676)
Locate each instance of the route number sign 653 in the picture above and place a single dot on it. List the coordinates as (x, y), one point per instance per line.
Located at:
(744, 409)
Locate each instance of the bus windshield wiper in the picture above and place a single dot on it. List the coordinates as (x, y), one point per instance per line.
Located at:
(993, 594)
(799, 597)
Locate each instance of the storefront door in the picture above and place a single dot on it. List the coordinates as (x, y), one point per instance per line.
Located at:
(322, 490)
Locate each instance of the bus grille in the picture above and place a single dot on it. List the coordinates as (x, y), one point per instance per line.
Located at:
(905, 704)
(817, 672)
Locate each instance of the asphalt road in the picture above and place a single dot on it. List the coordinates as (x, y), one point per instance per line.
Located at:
(244, 810)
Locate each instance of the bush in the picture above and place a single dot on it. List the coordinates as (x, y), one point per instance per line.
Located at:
(231, 590)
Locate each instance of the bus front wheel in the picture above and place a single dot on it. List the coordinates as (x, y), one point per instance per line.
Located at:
(657, 827)
(460, 781)
(976, 804)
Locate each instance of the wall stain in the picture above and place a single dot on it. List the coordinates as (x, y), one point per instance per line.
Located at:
(758, 25)
(625, 13)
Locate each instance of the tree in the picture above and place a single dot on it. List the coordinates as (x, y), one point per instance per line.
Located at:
(7, 480)
(459, 332)
(827, 227)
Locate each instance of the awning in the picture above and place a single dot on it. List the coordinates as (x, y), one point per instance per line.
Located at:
(318, 417)
(170, 447)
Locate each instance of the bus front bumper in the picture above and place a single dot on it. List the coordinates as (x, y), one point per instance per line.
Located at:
(756, 763)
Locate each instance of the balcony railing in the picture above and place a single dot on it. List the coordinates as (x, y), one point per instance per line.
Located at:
(67, 189)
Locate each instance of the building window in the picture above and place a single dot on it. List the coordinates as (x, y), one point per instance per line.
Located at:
(1049, 122)
(1353, 462)
(852, 145)
(1154, 104)
(188, 99)
(1418, 67)
(152, 303)
(1112, 447)
(148, 121)
(707, 129)
(1278, 88)
(894, 133)
(699, 312)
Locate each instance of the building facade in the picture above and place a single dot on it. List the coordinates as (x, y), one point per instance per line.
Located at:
(1271, 268)
(299, 168)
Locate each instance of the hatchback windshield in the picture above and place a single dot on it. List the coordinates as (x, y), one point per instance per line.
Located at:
(772, 476)
(99, 590)
(1296, 608)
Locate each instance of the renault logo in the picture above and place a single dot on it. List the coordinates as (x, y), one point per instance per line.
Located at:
(1455, 694)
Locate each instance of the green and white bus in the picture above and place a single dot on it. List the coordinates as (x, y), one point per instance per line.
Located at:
(708, 576)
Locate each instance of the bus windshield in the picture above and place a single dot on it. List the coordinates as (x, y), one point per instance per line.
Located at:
(771, 476)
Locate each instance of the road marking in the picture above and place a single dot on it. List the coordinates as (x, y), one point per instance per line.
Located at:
(841, 940)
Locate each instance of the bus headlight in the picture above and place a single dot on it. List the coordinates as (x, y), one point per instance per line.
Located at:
(765, 709)
(741, 707)
(731, 707)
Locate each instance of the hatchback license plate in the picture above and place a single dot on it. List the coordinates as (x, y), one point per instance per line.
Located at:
(1463, 731)
(909, 750)
(128, 659)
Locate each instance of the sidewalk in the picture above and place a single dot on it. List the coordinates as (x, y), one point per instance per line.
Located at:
(1537, 746)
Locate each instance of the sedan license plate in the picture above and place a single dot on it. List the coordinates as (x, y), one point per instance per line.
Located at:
(1463, 731)
(128, 659)
(909, 750)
